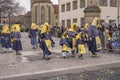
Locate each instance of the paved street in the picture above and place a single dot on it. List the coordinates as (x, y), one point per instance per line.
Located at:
(105, 74)
(30, 64)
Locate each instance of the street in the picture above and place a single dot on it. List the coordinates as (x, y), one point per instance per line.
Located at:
(30, 64)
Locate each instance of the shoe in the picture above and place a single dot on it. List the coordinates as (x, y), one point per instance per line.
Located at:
(4, 52)
(18, 53)
(73, 55)
(64, 57)
(34, 48)
(94, 55)
(48, 59)
(80, 56)
(44, 58)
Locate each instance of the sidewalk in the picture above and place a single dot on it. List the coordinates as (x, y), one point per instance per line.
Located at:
(31, 66)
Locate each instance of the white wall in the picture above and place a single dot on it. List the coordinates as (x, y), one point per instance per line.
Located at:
(107, 13)
(72, 14)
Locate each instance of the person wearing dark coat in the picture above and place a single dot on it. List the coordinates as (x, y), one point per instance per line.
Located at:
(94, 37)
(33, 35)
(6, 39)
(16, 36)
(47, 42)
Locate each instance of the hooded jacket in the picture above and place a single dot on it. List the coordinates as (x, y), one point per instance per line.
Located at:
(5, 30)
(93, 31)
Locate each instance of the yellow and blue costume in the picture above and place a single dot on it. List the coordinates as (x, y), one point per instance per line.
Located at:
(86, 27)
(107, 38)
(33, 35)
(47, 42)
(72, 32)
(16, 35)
(80, 44)
(94, 37)
(6, 39)
(64, 44)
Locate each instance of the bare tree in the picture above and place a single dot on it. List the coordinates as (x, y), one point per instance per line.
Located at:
(19, 10)
(10, 7)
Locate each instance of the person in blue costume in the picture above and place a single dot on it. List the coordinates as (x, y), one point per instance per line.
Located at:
(47, 42)
(65, 45)
(94, 37)
(86, 27)
(72, 32)
(6, 39)
(80, 44)
(16, 35)
(33, 35)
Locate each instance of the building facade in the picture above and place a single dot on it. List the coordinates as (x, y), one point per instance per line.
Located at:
(27, 22)
(82, 11)
(44, 11)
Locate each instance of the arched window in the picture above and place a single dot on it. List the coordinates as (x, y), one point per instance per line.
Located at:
(35, 14)
(103, 2)
(113, 3)
(82, 3)
(42, 15)
(49, 15)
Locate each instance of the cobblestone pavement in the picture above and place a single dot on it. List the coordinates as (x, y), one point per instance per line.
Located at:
(105, 74)
(31, 62)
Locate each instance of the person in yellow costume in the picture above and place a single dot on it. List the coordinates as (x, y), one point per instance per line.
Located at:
(94, 37)
(16, 35)
(6, 39)
(107, 36)
(12, 31)
(72, 32)
(86, 27)
(33, 33)
(39, 35)
(65, 45)
(80, 44)
(47, 42)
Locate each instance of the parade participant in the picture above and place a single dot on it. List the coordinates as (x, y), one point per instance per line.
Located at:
(47, 42)
(64, 44)
(39, 37)
(106, 37)
(17, 46)
(80, 44)
(6, 39)
(94, 37)
(86, 27)
(33, 35)
(12, 31)
(72, 37)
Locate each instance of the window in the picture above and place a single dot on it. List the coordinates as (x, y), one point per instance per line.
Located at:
(110, 21)
(68, 7)
(74, 20)
(103, 2)
(102, 21)
(68, 23)
(35, 14)
(82, 3)
(42, 15)
(49, 15)
(56, 17)
(113, 3)
(75, 5)
(63, 23)
(63, 8)
(82, 22)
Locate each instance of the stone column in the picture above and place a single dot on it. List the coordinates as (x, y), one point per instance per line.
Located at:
(92, 10)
